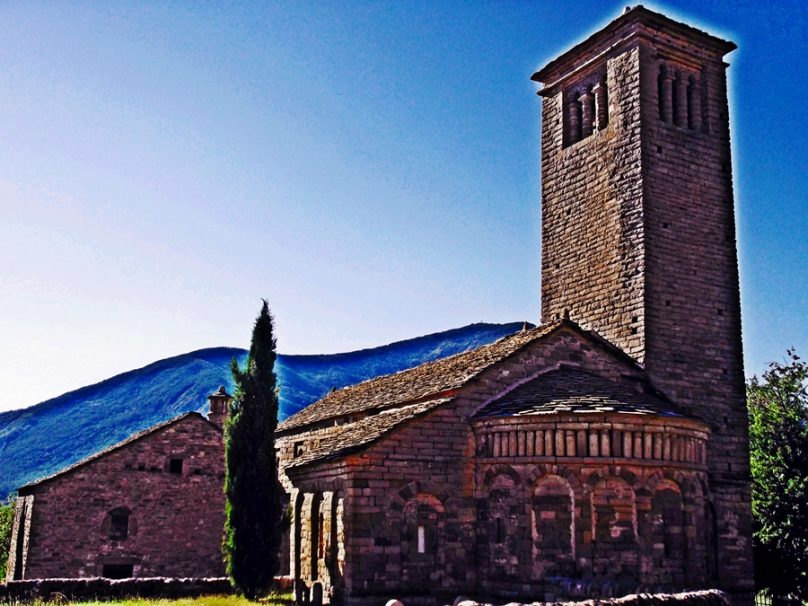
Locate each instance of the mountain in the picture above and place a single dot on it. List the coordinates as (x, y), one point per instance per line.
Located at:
(51, 435)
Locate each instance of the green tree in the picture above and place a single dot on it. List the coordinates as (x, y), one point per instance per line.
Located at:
(6, 521)
(253, 510)
(778, 427)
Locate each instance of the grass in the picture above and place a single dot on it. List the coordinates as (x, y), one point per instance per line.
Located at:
(212, 600)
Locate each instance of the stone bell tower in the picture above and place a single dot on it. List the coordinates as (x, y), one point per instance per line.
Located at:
(638, 238)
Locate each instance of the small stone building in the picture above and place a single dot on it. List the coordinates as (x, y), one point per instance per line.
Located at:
(604, 451)
(151, 505)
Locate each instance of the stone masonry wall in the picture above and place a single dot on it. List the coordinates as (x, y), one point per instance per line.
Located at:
(693, 319)
(639, 244)
(605, 504)
(424, 475)
(592, 240)
(175, 519)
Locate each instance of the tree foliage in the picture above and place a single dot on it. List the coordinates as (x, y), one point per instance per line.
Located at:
(778, 414)
(253, 509)
(6, 521)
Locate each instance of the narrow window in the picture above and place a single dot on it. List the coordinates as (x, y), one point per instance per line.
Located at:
(298, 449)
(175, 466)
(500, 538)
(119, 524)
(421, 539)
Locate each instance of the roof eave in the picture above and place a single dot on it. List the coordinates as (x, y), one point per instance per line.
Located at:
(639, 15)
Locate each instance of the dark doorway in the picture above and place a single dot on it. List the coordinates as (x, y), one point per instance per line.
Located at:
(117, 571)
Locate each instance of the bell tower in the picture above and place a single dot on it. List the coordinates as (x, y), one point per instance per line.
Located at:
(638, 233)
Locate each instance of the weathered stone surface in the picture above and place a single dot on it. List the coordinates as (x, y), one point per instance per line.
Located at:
(150, 506)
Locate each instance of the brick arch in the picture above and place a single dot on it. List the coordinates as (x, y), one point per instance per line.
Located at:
(416, 487)
(666, 475)
(571, 477)
(499, 469)
(428, 499)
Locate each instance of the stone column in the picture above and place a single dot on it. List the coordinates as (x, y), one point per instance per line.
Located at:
(601, 105)
(573, 121)
(666, 98)
(681, 98)
(587, 113)
(695, 104)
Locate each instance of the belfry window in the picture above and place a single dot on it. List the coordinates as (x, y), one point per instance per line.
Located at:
(586, 109)
(679, 96)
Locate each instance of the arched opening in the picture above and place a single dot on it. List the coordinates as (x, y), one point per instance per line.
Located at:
(502, 514)
(420, 539)
(668, 541)
(614, 530)
(553, 527)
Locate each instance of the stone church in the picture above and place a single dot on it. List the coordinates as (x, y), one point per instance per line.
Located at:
(602, 452)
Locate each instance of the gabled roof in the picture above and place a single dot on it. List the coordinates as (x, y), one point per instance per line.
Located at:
(131, 439)
(575, 391)
(426, 381)
(430, 381)
(352, 437)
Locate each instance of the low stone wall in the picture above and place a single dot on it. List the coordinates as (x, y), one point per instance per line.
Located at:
(107, 589)
(710, 597)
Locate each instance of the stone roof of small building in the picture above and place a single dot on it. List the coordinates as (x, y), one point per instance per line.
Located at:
(428, 381)
(574, 391)
(133, 438)
(349, 438)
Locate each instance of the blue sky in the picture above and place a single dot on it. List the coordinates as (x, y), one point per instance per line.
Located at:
(369, 167)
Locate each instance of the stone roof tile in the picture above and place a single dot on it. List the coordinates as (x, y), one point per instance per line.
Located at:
(427, 381)
(574, 391)
(351, 437)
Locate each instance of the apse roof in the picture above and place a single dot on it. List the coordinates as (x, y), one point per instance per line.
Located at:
(574, 391)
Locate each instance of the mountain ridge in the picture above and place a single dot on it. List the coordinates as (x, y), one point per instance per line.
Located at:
(43, 438)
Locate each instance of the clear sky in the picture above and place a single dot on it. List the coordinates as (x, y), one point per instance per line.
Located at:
(369, 167)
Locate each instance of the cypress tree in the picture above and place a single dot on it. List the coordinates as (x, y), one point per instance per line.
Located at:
(252, 491)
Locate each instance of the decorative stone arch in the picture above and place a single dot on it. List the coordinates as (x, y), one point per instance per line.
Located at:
(500, 469)
(553, 527)
(573, 479)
